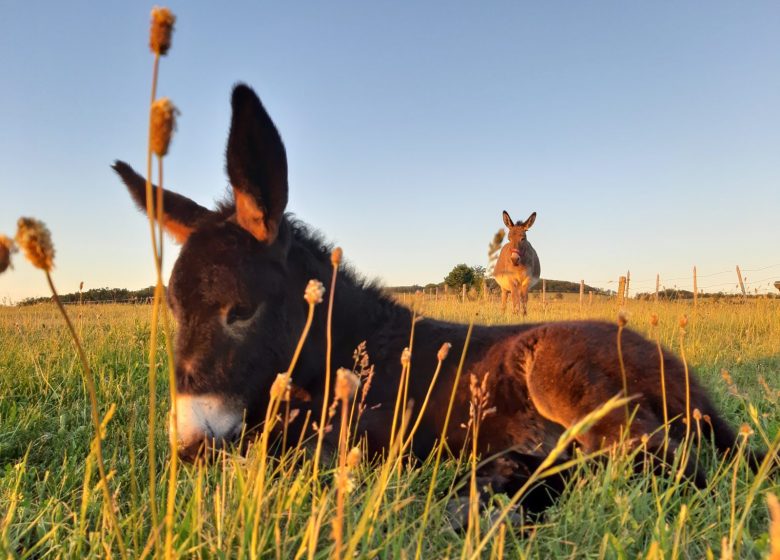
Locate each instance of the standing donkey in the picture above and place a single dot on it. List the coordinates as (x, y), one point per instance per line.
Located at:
(517, 268)
(236, 292)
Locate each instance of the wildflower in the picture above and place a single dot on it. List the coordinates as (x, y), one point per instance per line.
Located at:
(314, 292)
(683, 321)
(444, 351)
(697, 414)
(406, 357)
(7, 248)
(162, 123)
(746, 431)
(280, 389)
(353, 457)
(347, 384)
(654, 319)
(335, 256)
(622, 318)
(161, 30)
(35, 240)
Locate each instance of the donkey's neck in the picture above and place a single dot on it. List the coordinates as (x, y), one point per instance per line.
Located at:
(365, 313)
(361, 311)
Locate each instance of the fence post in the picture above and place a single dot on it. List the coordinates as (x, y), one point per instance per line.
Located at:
(628, 282)
(621, 290)
(544, 291)
(695, 289)
(741, 283)
(657, 286)
(582, 291)
(463, 293)
(590, 298)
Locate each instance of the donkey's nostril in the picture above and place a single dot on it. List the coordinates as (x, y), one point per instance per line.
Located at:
(202, 448)
(191, 451)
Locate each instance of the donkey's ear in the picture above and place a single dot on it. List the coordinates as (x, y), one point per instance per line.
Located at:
(530, 221)
(507, 220)
(256, 166)
(180, 214)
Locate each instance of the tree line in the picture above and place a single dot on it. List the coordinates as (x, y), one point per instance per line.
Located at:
(98, 295)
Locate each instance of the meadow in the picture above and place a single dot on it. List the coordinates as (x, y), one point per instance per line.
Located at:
(257, 506)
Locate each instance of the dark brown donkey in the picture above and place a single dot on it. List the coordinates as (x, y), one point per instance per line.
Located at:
(237, 294)
(517, 268)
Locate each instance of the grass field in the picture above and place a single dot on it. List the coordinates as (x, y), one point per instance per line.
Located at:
(51, 505)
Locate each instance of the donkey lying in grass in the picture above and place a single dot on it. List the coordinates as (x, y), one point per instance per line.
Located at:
(236, 292)
(517, 268)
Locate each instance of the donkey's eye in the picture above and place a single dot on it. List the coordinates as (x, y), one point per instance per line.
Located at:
(239, 312)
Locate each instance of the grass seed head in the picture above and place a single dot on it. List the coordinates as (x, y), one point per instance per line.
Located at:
(622, 318)
(353, 457)
(161, 30)
(162, 124)
(314, 292)
(35, 240)
(444, 351)
(345, 482)
(406, 357)
(335, 256)
(654, 319)
(7, 248)
(347, 384)
(280, 389)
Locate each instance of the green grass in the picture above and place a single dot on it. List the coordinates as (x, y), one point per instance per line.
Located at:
(51, 506)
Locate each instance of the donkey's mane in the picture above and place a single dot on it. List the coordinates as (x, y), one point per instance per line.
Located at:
(315, 251)
(311, 241)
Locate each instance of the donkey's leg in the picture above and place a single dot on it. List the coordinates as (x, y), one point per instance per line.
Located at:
(516, 296)
(524, 298)
(503, 299)
(508, 474)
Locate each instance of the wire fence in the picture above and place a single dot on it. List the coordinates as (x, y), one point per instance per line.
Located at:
(735, 282)
(727, 281)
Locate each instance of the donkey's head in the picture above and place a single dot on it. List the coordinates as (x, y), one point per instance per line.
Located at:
(230, 284)
(517, 239)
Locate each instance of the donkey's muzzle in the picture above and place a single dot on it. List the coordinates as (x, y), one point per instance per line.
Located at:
(205, 423)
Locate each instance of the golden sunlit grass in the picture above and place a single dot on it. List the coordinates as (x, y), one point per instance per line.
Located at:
(52, 505)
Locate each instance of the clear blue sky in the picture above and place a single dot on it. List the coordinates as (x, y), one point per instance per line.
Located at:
(645, 134)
